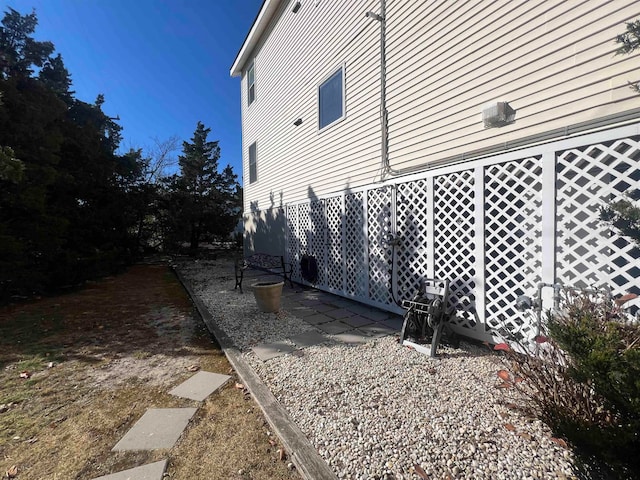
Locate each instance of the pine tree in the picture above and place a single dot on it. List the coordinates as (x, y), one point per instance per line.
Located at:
(202, 197)
(629, 42)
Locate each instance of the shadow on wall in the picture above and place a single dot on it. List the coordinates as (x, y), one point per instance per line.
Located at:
(264, 229)
(349, 259)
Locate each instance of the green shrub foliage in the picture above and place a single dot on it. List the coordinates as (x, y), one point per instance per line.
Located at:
(604, 355)
(583, 380)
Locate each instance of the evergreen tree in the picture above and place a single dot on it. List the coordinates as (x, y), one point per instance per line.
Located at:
(629, 42)
(202, 202)
(63, 204)
(57, 78)
(19, 52)
(624, 214)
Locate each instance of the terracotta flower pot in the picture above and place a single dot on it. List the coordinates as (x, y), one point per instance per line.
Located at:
(268, 295)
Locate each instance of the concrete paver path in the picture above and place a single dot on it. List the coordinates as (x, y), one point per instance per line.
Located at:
(200, 386)
(267, 351)
(157, 428)
(152, 471)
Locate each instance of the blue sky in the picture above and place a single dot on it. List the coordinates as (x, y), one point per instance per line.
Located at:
(163, 65)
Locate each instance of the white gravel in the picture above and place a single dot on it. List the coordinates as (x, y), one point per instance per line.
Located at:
(375, 410)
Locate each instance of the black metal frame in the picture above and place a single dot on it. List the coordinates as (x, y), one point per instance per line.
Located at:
(427, 311)
(270, 264)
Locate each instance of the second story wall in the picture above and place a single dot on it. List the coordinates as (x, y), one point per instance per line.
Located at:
(301, 49)
(553, 61)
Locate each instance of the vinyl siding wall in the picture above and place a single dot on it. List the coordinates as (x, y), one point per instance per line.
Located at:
(301, 50)
(553, 61)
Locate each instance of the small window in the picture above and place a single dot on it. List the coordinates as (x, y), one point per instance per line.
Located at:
(251, 84)
(253, 170)
(331, 99)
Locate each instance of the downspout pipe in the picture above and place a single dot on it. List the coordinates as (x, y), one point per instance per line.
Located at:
(386, 168)
(384, 114)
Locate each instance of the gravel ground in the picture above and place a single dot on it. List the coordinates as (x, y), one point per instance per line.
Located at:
(375, 410)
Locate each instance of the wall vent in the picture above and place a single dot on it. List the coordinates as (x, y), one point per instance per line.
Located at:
(498, 114)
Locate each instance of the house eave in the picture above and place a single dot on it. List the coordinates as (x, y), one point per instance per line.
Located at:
(260, 24)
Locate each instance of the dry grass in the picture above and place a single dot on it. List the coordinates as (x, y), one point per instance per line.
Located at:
(97, 359)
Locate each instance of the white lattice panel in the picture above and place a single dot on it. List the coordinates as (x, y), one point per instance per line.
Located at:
(379, 225)
(346, 232)
(304, 226)
(588, 252)
(355, 243)
(293, 240)
(411, 222)
(454, 241)
(317, 241)
(334, 243)
(513, 246)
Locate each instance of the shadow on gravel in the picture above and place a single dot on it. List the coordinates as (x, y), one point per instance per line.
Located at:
(303, 309)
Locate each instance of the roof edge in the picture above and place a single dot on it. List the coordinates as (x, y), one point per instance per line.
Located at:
(260, 24)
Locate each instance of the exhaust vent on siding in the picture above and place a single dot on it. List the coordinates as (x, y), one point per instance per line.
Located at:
(498, 114)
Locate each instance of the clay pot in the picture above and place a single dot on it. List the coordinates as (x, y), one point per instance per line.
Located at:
(268, 295)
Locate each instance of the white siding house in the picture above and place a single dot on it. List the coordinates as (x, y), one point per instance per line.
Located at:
(363, 120)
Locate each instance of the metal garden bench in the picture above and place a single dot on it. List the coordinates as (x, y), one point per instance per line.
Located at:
(269, 264)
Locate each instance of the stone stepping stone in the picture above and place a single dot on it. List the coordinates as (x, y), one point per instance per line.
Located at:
(200, 386)
(335, 327)
(152, 471)
(394, 323)
(157, 428)
(357, 321)
(377, 315)
(267, 351)
(340, 313)
(309, 339)
(354, 336)
(376, 330)
(317, 319)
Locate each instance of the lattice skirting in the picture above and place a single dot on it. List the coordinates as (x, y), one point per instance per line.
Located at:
(495, 228)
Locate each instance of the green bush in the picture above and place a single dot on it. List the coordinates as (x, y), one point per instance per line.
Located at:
(604, 354)
(583, 380)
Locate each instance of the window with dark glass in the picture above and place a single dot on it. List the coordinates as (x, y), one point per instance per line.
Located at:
(253, 168)
(251, 84)
(331, 99)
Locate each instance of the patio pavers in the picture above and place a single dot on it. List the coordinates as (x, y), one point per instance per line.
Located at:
(200, 385)
(394, 323)
(309, 339)
(360, 308)
(376, 315)
(151, 471)
(342, 302)
(353, 336)
(357, 321)
(310, 302)
(339, 313)
(157, 428)
(335, 327)
(318, 319)
(267, 351)
(323, 307)
(376, 330)
(301, 311)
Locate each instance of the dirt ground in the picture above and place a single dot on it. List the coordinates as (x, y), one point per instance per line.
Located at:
(78, 370)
